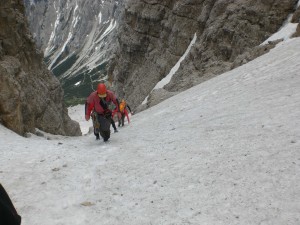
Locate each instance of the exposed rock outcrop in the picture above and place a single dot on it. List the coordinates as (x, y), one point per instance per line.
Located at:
(296, 16)
(30, 96)
(296, 19)
(297, 34)
(155, 34)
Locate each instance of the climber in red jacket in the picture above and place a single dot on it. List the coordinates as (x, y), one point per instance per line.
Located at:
(97, 107)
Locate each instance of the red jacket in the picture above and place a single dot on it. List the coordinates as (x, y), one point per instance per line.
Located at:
(116, 111)
(93, 102)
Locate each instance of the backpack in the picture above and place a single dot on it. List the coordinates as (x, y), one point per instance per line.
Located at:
(122, 106)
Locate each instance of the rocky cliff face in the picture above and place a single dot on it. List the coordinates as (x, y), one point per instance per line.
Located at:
(77, 38)
(296, 19)
(30, 96)
(154, 34)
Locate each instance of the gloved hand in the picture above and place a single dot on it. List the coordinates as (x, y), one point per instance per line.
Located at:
(87, 117)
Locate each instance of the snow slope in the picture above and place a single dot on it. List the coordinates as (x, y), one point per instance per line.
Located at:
(224, 152)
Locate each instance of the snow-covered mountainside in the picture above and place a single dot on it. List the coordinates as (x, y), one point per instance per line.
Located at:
(223, 152)
(77, 37)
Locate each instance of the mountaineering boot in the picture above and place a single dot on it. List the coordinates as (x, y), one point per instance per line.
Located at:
(116, 131)
(97, 137)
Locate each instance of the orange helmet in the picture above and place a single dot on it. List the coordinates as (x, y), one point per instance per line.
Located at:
(101, 90)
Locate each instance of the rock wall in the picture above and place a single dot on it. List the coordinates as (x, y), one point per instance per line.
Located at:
(30, 96)
(156, 33)
(296, 19)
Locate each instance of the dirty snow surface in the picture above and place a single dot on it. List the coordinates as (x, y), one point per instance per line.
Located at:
(224, 152)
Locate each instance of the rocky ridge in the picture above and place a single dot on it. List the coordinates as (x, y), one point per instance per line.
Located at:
(30, 96)
(154, 34)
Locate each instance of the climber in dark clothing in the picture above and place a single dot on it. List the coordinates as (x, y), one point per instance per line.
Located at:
(8, 213)
(97, 107)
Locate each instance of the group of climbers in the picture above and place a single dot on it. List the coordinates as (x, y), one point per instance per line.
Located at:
(99, 105)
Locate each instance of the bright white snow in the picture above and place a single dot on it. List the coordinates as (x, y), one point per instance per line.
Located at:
(77, 83)
(100, 17)
(169, 76)
(223, 152)
(70, 35)
(167, 79)
(111, 26)
(50, 47)
(285, 32)
(88, 54)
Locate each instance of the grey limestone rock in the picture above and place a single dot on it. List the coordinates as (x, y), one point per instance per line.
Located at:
(30, 96)
(154, 34)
